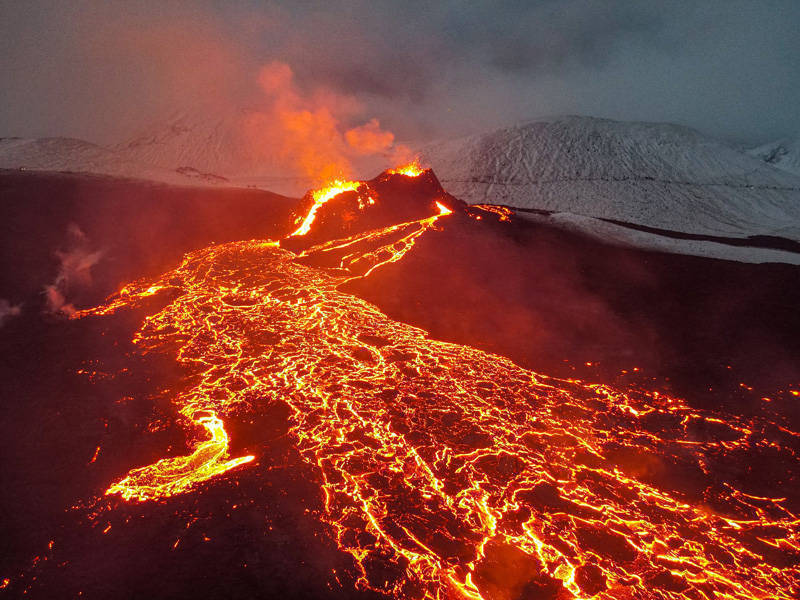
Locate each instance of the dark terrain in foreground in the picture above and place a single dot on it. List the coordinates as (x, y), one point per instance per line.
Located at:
(550, 300)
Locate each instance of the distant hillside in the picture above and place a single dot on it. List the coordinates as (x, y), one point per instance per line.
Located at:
(783, 154)
(652, 174)
(78, 156)
(208, 142)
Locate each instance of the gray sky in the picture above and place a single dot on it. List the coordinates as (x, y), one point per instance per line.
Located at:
(104, 70)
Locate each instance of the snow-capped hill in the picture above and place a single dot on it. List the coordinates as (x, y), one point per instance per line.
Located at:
(209, 142)
(783, 154)
(653, 174)
(54, 154)
(236, 145)
(78, 156)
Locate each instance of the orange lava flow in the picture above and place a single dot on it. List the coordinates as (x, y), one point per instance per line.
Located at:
(386, 251)
(171, 476)
(446, 471)
(321, 196)
(503, 212)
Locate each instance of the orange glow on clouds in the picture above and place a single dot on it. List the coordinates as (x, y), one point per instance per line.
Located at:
(308, 130)
(369, 138)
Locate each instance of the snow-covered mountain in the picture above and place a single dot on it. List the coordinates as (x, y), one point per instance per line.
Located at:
(202, 147)
(652, 174)
(78, 156)
(783, 154)
(211, 142)
(236, 144)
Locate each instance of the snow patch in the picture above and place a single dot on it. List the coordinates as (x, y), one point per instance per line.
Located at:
(625, 236)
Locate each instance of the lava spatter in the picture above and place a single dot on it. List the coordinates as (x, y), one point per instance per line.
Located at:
(455, 471)
(412, 169)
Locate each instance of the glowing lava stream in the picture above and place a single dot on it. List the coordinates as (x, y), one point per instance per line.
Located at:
(171, 476)
(321, 196)
(446, 471)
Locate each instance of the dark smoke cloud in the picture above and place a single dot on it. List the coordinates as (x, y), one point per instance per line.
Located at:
(104, 70)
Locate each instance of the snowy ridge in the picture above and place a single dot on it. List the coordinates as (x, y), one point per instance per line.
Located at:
(223, 143)
(210, 142)
(68, 154)
(652, 174)
(783, 154)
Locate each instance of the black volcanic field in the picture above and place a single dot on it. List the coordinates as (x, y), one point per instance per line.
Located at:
(553, 301)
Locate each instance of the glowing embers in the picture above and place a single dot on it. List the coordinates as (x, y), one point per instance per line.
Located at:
(320, 197)
(170, 476)
(504, 213)
(412, 169)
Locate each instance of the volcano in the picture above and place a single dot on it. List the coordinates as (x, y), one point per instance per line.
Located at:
(383, 400)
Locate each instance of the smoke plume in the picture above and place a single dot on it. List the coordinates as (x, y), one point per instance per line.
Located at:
(74, 274)
(308, 131)
(8, 310)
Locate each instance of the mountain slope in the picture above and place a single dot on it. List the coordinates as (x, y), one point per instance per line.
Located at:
(205, 142)
(78, 156)
(658, 175)
(783, 154)
(237, 144)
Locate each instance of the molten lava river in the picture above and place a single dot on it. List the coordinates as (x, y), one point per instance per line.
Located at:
(462, 473)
